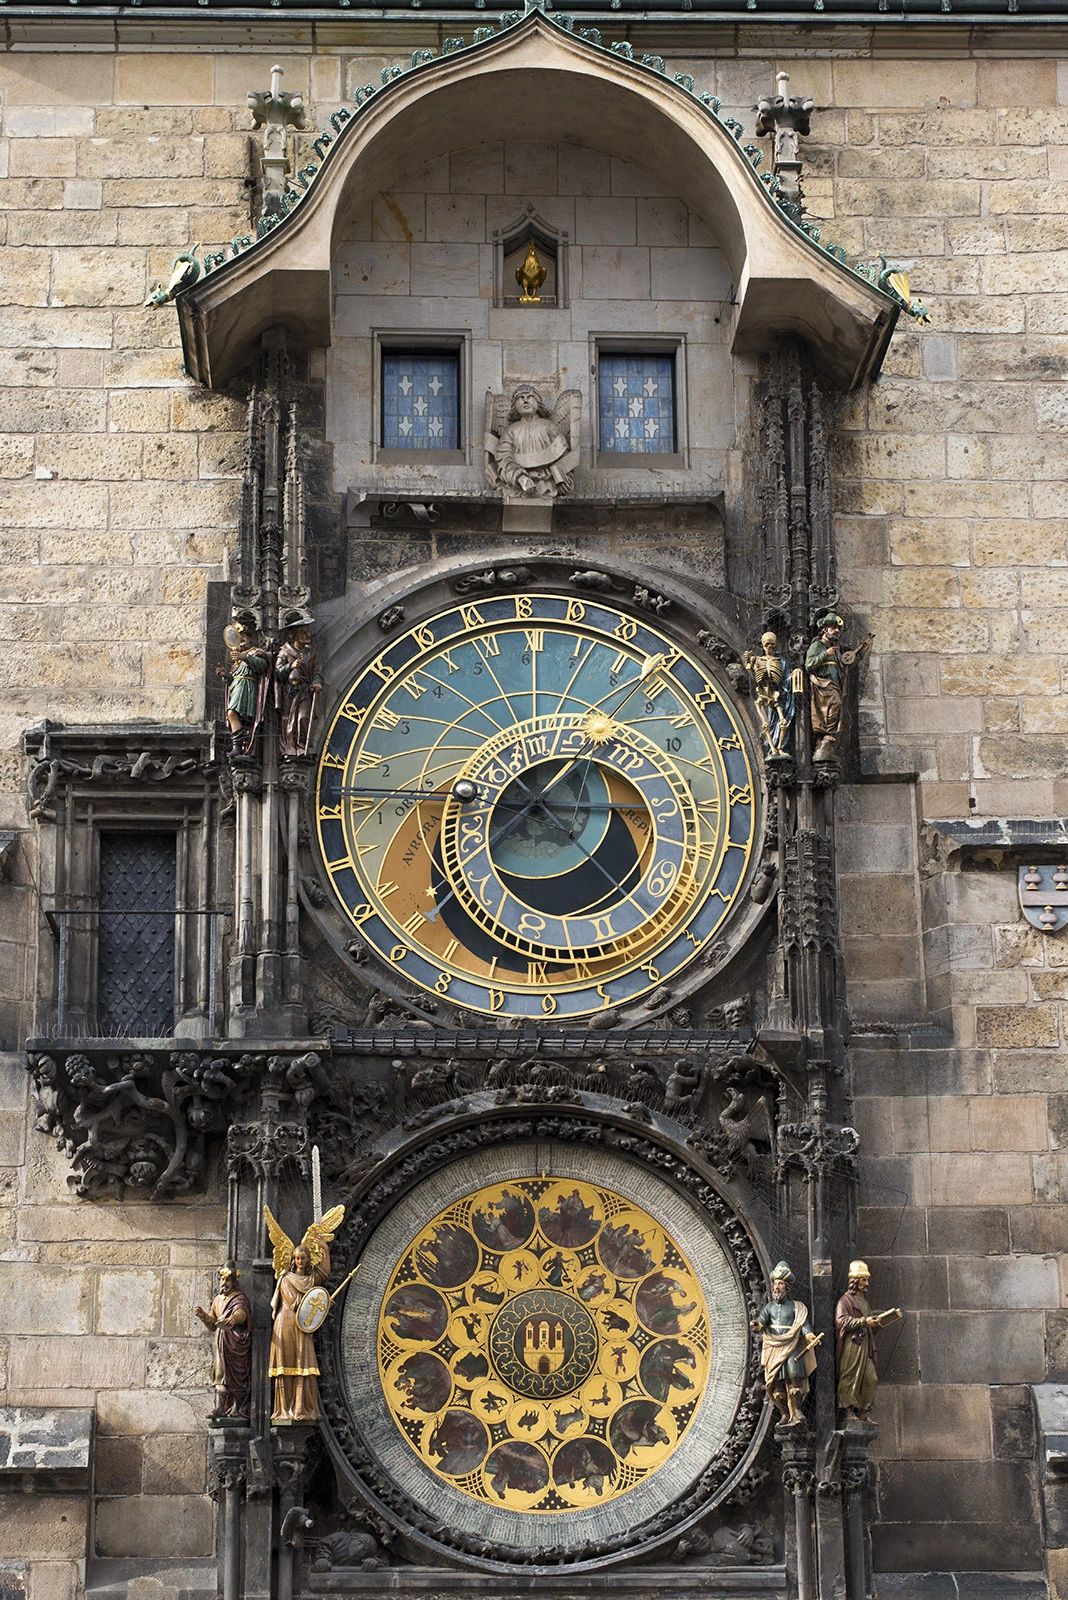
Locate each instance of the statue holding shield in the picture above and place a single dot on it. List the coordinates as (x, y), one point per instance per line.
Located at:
(300, 1306)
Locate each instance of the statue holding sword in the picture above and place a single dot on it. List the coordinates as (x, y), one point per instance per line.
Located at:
(300, 1306)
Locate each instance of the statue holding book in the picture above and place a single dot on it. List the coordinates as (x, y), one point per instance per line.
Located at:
(855, 1325)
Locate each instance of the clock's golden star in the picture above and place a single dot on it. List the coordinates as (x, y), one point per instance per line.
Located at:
(599, 728)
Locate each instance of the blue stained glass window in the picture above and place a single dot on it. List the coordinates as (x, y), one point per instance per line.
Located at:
(420, 400)
(637, 403)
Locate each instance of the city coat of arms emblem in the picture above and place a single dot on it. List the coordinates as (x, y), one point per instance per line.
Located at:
(1044, 896)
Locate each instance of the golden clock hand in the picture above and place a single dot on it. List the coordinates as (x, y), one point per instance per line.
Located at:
(652, 664)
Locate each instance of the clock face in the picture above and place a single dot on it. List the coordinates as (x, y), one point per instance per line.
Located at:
(536, 806)
(546, 1344)
(531, 1314)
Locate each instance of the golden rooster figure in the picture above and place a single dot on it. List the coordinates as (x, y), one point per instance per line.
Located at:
(299, 1307)
(530, 277)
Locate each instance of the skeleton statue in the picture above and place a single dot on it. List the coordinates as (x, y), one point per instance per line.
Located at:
(774, 695)
(532, 452)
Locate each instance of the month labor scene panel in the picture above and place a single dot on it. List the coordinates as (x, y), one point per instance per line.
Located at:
(538, 1337)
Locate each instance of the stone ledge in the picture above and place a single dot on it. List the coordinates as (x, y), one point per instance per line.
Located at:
(961, 1586)
(45, 1448)
(741, 1583)
(120, 1577)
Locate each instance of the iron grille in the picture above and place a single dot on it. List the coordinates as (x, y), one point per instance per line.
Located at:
(135, 948)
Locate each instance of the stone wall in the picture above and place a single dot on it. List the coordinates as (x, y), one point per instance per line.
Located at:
(119, 496)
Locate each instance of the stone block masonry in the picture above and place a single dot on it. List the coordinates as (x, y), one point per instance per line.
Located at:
(118, 504)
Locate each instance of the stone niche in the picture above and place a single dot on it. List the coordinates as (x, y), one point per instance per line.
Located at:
(643, 272)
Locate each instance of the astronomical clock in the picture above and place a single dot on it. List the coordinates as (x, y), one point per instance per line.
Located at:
(537, 806)
(538, 816)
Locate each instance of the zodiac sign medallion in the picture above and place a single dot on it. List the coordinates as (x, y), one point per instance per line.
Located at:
(543, 1345)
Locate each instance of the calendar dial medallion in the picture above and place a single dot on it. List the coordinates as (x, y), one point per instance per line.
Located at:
(536, 806)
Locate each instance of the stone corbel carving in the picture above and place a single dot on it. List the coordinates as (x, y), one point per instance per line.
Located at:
(532, 451)
(137, 1120)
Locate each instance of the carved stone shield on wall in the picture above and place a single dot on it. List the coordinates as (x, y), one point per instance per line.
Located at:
(1044, 896)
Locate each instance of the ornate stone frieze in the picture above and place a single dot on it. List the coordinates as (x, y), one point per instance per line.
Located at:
(137, 1120)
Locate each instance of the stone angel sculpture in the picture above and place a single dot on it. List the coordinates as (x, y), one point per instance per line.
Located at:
(532, 452)
(299, 1306)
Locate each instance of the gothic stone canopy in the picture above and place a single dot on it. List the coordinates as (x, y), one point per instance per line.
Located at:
(537, 72)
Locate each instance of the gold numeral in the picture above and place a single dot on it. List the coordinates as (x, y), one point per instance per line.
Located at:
(446, 656)
(442, 985)
(364, 849)
(424, 638)
(398, 953)
(548, 1004)
(386, 889)
(683, 720)
(352, 712)
(450, 949)
(385, 718)
(331, 760)
(472, 616)
(491, 645)
(625, 629)
(414, 687)
(414, 923)
(575, 611)
(535, 639)
(602, 928)
(524, 607)
(620, 662)
(340, 864)
(496, 999)
(366, 758)
(537, 972)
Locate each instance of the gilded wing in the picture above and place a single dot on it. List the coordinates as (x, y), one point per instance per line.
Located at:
(322, 1232)
(899, 282)
(283, 1244)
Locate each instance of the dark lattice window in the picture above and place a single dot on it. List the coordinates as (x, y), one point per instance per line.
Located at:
(135, 960)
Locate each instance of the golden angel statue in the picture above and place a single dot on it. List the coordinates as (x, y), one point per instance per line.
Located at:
(532, 452)
(300, 1306)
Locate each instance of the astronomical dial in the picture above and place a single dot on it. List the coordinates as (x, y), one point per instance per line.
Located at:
(536, 806)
